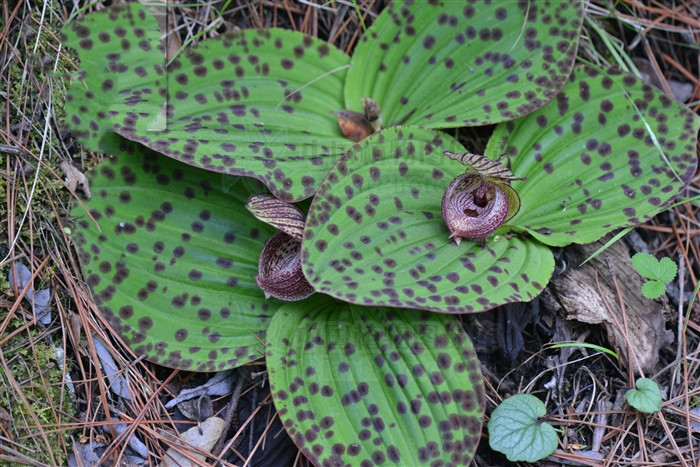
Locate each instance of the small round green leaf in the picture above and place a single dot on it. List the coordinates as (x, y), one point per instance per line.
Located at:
(647, 266)
(170, 252)
(653, 289)
(451, 63)
(375, 235)
(646, 398)
(515, 429)
(608, 152)
(363, 385)
(667, 269)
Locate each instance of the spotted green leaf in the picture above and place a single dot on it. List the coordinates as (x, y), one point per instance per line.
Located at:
(452, 63)
(170, 253)
(122, 66)
(516, 430)
(363, 386)
(255, 102)
(610, 151)
(375, 235)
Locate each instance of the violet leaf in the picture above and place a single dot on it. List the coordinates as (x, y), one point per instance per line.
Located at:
(646, 397)
(517, 430)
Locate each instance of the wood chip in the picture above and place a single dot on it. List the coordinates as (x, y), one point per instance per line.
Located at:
(578, 297)
(203, 437)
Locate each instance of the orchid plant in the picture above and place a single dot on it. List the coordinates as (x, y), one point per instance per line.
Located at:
(198, 259)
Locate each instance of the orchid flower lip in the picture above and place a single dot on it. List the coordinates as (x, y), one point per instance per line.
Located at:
(478, 202)
(279, 269)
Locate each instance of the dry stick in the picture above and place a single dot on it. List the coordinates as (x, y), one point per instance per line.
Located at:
(274, 15)
(262, 438)
(659, 228)
(18, 457)
(306, 22)
(684, 250)
(257, 445)
(599, 429)
(682, 348)
(356, 34)
(620, 439)
(125, 435)
(18, 301)
(623, 327)
(230, 410)
(64, 318)
(630, 354)
(687, 404)
(681, 69)
(289, 14)
(575, 459)
(81, 316)
(45, 385)
(14, 150)
(334, 30)
(671, 438)
(693, 245)
(659, 11)
(252, 422)
(241, 428)
(679, 346)
(36, 175)
(314, 22)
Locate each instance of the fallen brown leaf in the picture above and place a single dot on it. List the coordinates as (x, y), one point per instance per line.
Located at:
(75, 178)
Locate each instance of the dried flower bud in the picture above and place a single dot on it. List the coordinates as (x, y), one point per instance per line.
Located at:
(281, 215)
(357, 126)
(279, 266)
(477, 203)
(373, 114)
(279, 269)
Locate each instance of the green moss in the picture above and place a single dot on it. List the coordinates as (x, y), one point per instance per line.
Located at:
(31, 356)
(48, 398)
